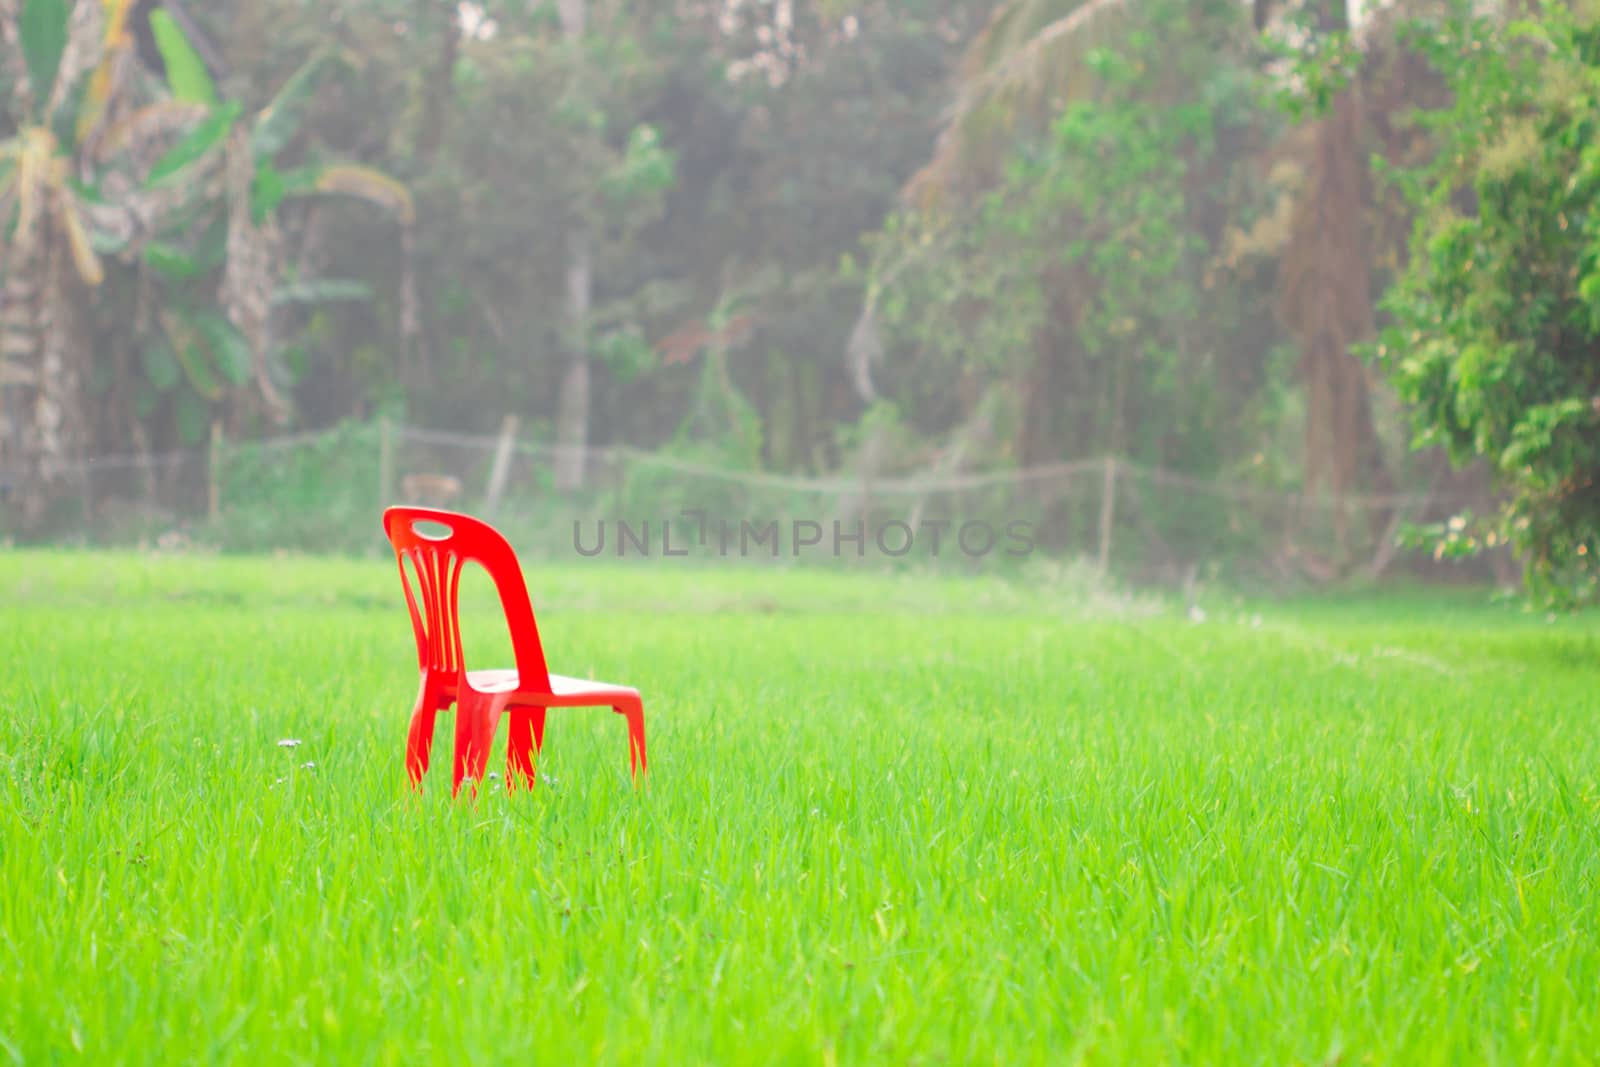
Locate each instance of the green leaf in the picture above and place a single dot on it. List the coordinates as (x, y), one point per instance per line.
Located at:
(295, 360)
(188, 345)
(171, 261)
(320, 291)
(160, 365)
(107, 244)
(1589, 289)
(64, 120)
(625, 353)
(229, 348)
(271, 185)
(266, 192)
(365, 183)
(187, 76)
(212, 250)
(193, 417)
(42, 30)
(145, 400)
(300, 180)
(280, 120)
(199, 143)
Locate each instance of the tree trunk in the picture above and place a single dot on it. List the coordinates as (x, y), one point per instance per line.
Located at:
(50, 424)
(572, 433)
(1327, 298)
(439, 85)
(38, 374)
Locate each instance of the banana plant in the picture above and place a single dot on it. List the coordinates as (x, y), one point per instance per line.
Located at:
(164, 173)
(64, 63)
(43, 207)
(86, 114)
(227, 161)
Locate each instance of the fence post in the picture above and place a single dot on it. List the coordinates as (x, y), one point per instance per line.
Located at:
(385, 463)
(619, 480)
(214, 472)
(1108, 505)
(87, 488)
(502, 464)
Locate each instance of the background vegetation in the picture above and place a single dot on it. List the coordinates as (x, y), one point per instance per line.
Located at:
(1302, 247)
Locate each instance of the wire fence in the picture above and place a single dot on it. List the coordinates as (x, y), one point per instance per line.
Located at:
(323, 493)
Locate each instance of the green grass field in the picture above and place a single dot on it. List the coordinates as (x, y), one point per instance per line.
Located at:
(888, 820)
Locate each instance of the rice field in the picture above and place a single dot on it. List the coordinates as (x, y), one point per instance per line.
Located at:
(888, 819)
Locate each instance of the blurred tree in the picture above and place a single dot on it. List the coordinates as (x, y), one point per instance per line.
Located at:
(687, 164)
(1071, 220)
(1497, 316)
(164, 174)
(1291, 208)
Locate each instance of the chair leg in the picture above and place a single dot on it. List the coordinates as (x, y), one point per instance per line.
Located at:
(476, 717)
(634, 711)
(419, 744)
(419, 740)
(526, 737)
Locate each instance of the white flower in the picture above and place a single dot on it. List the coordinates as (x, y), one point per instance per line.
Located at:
(289, 742)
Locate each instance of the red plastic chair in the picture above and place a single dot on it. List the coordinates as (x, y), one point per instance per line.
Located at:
(481, 696)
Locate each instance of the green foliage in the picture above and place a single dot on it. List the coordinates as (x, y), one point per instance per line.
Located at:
(192, 416)
(320, 492)
(1322, 61)
(197, 145)
(186, 71)
(198, 351)
(1084, 252)
(190, 348)
(624, 352)
(42, 28)
(321, 291)
(1497, 317)
(160, 364)
(646, 168)
(228, 347)
(171, 262)
(277, 123)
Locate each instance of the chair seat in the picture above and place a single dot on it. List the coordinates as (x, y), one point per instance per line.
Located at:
(563, 690)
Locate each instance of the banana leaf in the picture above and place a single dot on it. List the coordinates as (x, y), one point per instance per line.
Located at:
(161, 368)
(321, 291)
(187, 76)
(278, 122)
(193, 417)
(229, 348)
(42, 31)
(200, 142)
(171, 261)
(189, 347)
(367, 184)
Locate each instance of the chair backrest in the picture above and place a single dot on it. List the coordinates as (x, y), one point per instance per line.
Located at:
(439, 556)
